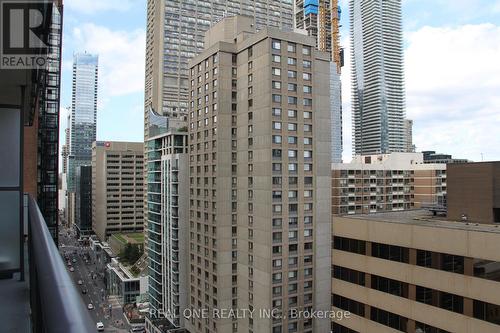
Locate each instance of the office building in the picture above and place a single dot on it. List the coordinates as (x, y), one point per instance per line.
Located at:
(175, 32)
(83, 200)
(117, 187)
(409, 146)
(391, 182)
(126, 286)
(431, 156)
(474, 192)
(65, 150)
(413, 272)
(378, 94)
(259, 136)
(168, 226)
(83, 113)
(320, 19)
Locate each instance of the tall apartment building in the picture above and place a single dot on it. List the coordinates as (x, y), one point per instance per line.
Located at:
(175, 32)
(391, 182)
(168, 228)
(117, 187)
(259, 136)
(83, 113)
(378, 96)
(409, 146)
(320, 18)
(412, 272)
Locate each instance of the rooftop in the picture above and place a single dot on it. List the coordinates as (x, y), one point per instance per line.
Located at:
(423, 217)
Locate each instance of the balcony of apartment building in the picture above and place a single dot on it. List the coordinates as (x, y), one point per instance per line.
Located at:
(38, 294)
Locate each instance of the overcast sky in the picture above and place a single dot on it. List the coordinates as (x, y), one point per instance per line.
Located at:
(452, 71)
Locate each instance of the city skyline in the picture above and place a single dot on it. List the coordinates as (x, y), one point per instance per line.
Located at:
(122, 100)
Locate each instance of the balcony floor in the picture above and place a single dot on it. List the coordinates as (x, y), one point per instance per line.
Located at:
(15, 306)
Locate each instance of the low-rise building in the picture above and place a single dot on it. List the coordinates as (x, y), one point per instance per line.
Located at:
(412, 272)
(386, 182)
(474, 192)
(121, 282)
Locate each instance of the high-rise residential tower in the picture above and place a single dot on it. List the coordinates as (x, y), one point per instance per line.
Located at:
(259, 185)
(83, 113)
(409, 146)
(378, 98)
(175, 32)
(320, 18)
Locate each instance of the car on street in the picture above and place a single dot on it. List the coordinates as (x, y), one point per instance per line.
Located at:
(74, 260)
(71, 269)
(80, 282)
(84, 291)
(90, 306)
(99, 326)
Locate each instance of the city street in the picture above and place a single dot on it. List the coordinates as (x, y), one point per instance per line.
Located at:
(93, 290)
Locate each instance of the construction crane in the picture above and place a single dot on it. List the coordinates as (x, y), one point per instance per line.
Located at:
(336, 49)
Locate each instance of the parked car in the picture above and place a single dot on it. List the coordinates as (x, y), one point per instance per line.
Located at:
(84, 291)
(99, 326)
(80, 282)
(90, 306)
(71, 269)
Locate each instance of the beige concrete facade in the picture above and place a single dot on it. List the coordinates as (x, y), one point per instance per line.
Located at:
(388, 182)
(405, 271)
(117, 187)
(259, 131)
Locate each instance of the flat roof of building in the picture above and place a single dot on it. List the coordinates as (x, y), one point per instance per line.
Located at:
(425, 218)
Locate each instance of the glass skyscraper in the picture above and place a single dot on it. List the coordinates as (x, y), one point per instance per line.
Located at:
(83, 113)
(378, 100)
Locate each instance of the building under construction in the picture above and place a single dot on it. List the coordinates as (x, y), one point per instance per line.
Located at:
(321, 19)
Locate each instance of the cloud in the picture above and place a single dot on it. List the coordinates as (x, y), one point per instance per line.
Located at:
(452, 87)
(95, 6)
(452, 83)
(121, 57)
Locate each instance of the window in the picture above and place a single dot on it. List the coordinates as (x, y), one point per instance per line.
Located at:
(307, 102)
(306, 50)
(276, 112)
(306, 63)
(250, 65)
(292, 87)
(306, 76)
(276, 125)
(276, 153)
(250, 52)
(307, 141)
(292, 167)
(276, 71)
(308, 167)
(292, 74)
(292, 153)
(307, 154)
(292, 100)
(292, 113)
(277, 139)
(307, 128)
(250, 78)
(292, 127)
(390, 252)
(276, 44)
(307, 89)
(349, 245)
(307, 115)
(250, 90)
(291, 47)
(292, 61)
(276, 85)
(276, 98)
(276, 58)
(292, 139)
